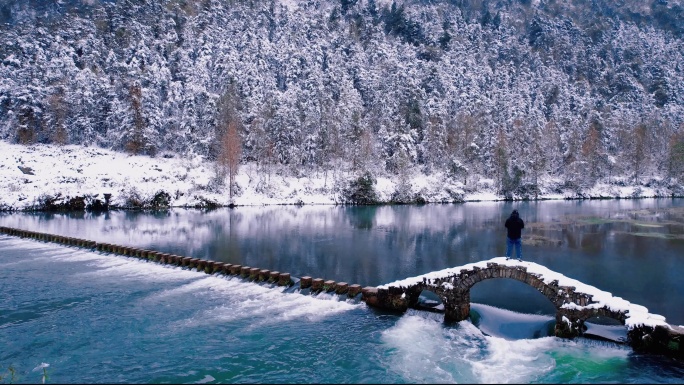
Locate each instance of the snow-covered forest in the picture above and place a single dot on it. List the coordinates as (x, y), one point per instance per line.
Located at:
(530, 96)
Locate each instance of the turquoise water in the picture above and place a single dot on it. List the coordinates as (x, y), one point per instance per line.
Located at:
(99, 318)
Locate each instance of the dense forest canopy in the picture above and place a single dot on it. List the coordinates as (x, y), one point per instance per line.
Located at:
(511, 90)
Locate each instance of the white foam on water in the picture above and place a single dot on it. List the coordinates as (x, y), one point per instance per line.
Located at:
(226, 298)
(24, 244)
(233, 297)
(599, 349)
(78, 255)
(109, 262)
(32, 251)
(423, 349)
(312, 309)
(133, 269)
(97, 264)
(203, 284)
(236, 299)
(57, 251)
(207, 378)
(518, 361)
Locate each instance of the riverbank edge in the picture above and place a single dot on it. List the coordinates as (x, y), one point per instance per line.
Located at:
(95, 205)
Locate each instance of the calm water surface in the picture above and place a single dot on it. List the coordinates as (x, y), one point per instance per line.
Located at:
(98, 318)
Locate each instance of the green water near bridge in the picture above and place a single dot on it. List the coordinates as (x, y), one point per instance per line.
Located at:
(99, 318)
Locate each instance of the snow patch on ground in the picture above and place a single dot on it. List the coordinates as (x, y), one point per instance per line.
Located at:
(77, 171)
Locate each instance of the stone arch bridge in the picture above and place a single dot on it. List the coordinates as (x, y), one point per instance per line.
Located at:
(573, 306)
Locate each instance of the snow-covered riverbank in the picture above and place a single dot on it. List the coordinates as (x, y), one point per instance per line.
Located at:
(29, 174)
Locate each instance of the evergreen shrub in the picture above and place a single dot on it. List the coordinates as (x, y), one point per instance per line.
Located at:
(361, 191)
(161, 200)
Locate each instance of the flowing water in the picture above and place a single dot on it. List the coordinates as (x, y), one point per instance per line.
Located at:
(96, 317)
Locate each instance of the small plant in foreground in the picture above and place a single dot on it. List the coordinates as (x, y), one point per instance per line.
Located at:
(44, 367)
(12, 373)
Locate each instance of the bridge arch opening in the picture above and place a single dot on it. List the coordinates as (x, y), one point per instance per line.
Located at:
(511, 294)
(430, 301)
(605, 328)
(511, 309)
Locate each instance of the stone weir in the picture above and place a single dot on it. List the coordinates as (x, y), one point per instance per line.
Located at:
(253, 274)
(575, 301)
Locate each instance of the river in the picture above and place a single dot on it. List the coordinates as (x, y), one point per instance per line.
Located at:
(95, 317)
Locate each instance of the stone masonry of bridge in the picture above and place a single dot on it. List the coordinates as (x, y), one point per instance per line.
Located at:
(646, 332)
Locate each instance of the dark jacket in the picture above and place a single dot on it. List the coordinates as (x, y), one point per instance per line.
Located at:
(514, 225)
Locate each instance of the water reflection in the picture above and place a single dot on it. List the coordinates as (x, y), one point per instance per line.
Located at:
(631, 248)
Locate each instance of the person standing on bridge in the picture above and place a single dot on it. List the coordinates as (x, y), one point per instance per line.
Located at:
(514, 226)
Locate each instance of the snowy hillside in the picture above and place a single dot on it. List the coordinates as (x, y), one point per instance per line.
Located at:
(436, 100)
